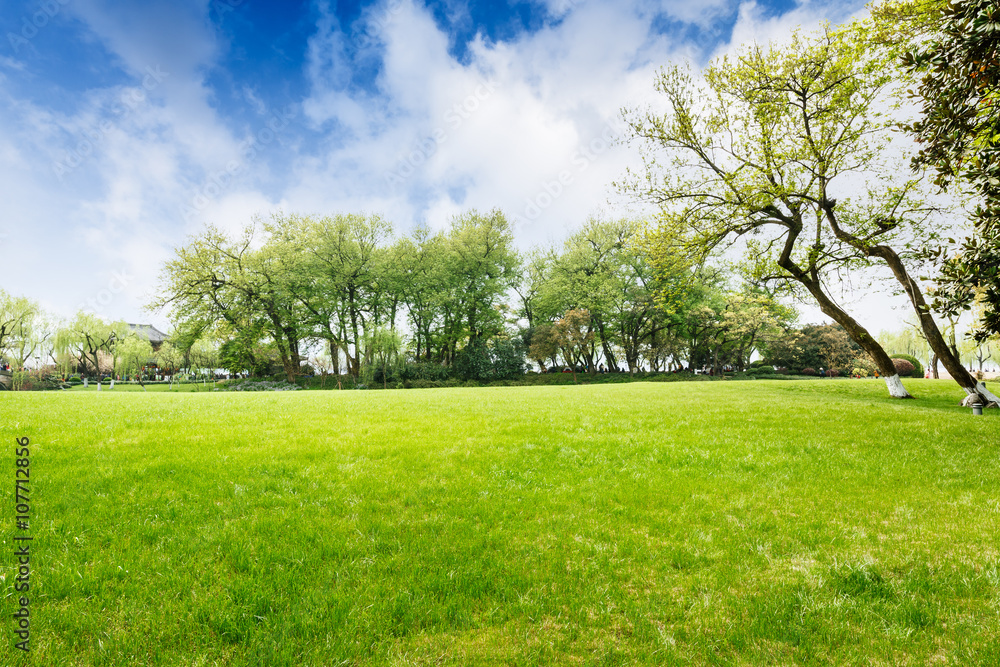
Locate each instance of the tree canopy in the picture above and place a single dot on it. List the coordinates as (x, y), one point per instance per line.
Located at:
(958, 64)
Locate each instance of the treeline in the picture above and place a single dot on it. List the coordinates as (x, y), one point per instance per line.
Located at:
(39, 350)
(463, 299)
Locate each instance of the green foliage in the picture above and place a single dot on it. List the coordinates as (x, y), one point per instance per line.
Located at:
(24, 329)
(812, 346)
(134, 354)
(959, 135)
(508, 358)
(260, 385)
(765, 153)
(86, 338)
(501, 359)
(424, 371)
(474, 362)
(246, 352)
(219, 281)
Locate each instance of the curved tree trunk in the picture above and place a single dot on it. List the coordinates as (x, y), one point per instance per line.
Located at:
(947, 355)
(932, 333)
(853, 328)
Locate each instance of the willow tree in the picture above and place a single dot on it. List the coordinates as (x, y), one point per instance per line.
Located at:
(787, 150)
(134, 354)
(87, 337)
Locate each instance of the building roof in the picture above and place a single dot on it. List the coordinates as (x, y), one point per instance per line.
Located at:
(148, 331)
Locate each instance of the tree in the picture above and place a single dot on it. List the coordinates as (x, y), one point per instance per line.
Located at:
(425, 288)
(87, 336)
(29, 333)
(383, 347)
(771, 155)
(134, 353)
(959, 133)
(169, 359)
(576, 339)
(23, 329)
(484, 264)
(749, 320)
(536, 269)
(335, 268)
(544, 345)
(221, 279)
(204, 355)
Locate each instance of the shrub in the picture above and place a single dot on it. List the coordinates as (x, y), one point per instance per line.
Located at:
(865, 364)
(809, 371)
(499, 360)
(762, 369)
(424, 371)
(260, 385)
(833, 372)
(918, 369)
(859, 372)
(508, 359)
(903, 367)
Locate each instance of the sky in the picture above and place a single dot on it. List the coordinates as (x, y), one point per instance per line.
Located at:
(125, 126)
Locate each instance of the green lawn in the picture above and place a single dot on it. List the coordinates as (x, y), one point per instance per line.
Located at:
(730, 523)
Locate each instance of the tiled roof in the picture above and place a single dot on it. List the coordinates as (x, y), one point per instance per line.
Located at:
(151, 333)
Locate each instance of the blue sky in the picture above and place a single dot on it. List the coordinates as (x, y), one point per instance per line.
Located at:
(126, 126)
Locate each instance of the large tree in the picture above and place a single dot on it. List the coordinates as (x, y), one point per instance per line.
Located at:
(484, 265)
(334, 268)
(218, 278)
(777, 148)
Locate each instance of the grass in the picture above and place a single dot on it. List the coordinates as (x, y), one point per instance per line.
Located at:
(662, 523)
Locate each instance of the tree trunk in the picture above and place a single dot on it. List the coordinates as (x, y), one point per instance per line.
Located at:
(932, 333)
(853, 328)
(334, 357)
(609, 356)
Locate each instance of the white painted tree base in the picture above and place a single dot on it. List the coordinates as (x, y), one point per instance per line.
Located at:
(896, 388)
(980, 395)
